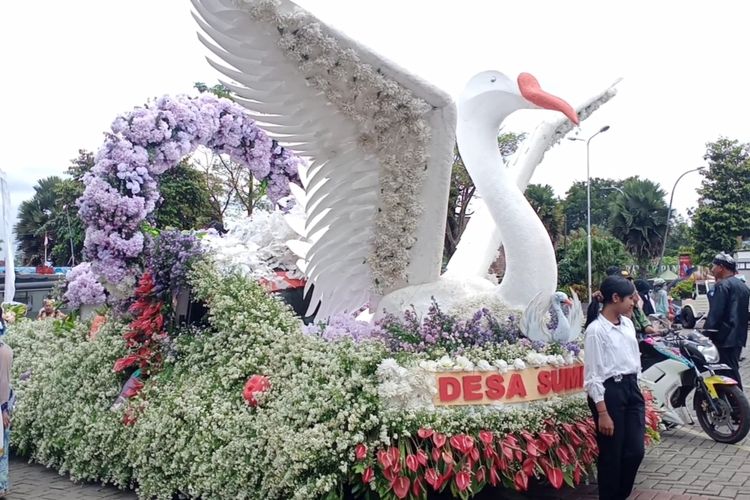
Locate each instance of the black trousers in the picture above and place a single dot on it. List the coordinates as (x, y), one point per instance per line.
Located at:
(621, 454)
(731, 356)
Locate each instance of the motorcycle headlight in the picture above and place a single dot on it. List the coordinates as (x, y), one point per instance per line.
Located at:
(710, 352)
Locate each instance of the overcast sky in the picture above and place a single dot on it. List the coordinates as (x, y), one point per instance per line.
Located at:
(70, 67)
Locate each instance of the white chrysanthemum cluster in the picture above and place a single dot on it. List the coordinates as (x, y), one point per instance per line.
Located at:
(254, 247)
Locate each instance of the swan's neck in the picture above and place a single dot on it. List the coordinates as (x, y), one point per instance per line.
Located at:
(531, 266)
(562, 320)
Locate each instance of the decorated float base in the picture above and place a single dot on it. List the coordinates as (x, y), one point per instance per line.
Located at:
(253, 407)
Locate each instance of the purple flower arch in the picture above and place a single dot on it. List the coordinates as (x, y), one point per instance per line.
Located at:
(122, 188)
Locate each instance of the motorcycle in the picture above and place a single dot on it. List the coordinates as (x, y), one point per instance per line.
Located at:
(675, 365)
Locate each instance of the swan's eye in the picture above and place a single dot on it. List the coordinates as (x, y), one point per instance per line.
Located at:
(493, 79)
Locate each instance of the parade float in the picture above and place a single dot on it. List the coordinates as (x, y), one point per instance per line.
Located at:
(409, 383)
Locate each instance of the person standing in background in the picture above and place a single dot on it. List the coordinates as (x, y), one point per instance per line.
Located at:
(726, 324)
(6, 404)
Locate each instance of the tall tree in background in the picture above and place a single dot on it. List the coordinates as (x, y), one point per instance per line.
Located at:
(722, 218)
(231, 186)
(548, 207)
(185, 199)
(34, 218)
(574, 204)
(462, 191)
(639, 219)
(606, 251)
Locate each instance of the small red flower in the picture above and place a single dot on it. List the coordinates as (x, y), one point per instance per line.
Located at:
(463, 480)
(412, 463)
(368, 475)
(255, 385)
(555, 477)
(360, 451)
(462, 443)
(486, 437)
(384, 459)
(401, 486)
(432, 476)
(424, 433)
(422, 457)
(439, 439)
(521, 481)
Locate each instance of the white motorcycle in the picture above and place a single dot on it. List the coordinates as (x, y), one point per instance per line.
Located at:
(677, 364)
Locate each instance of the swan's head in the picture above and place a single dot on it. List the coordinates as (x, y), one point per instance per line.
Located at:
(493, 94)
(562, 298)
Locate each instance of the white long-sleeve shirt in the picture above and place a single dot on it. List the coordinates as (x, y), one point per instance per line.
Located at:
(609, 350)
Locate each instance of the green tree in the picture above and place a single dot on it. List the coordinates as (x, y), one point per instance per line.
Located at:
(722, 218)
(606, 251)
(680, 236)
(185, 199)
(33, 224)
(462, 190)
(575, 203)
(548, 207)
(639, 219)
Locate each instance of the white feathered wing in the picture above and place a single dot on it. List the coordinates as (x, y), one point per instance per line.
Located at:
(303, 82)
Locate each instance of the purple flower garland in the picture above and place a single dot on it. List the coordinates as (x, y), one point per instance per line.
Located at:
(122, 190)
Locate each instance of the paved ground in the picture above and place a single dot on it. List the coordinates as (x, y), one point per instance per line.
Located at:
(685, 465)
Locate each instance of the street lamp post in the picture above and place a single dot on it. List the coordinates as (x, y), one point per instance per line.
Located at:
(588, 200)
(669, 214)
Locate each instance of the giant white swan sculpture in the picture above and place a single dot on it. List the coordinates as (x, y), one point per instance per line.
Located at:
(380, 144)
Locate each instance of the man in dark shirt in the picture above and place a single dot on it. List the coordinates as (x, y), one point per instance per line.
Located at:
(726, 324)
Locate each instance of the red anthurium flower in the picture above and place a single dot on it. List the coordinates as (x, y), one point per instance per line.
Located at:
(432, 476)
(422, 457)
(390, 474)
(486, 437)
(401, 486)
(474, 454)
(435, 454)
(494, 477)
(463, 480)
(562, 454)
(462, 443)
(438, 439)
(521, 481)
(412, 463)
(368, 475)
(394, 454)
(360, 451)
(510, 441)
(528, 466)
(481, 475)
(532, 449)
(384, 459)
(417, 488)
(424, 433)
(448, 457)
(518, 455)
(555, 477)
(577, 475)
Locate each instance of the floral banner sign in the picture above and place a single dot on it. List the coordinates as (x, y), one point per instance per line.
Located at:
(521, 386)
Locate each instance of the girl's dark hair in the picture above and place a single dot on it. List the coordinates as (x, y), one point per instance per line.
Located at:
(610, 286)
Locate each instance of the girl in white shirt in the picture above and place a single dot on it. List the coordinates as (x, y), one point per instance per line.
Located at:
(611, 366)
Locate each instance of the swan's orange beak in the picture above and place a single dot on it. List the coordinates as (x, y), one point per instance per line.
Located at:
(532, 92)
(568, 302)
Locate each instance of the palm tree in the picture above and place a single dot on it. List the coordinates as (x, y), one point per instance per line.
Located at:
(34, 217)
(639, 219)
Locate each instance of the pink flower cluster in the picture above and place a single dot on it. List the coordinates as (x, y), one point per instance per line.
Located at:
(122, 188)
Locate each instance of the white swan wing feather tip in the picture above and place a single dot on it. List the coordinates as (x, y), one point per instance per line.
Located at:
(336, 102)
(576, 317)
(533, 323)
